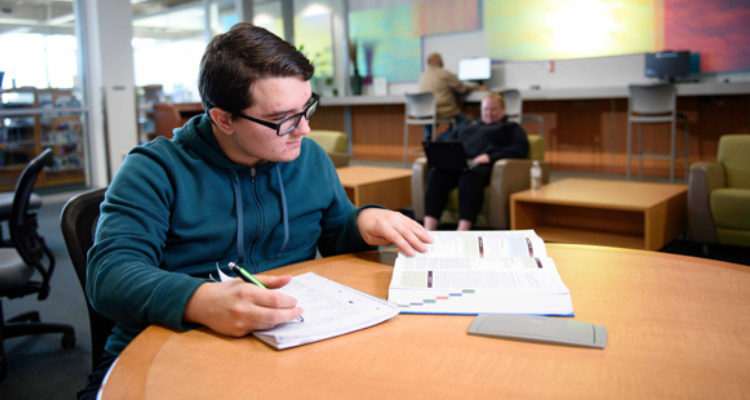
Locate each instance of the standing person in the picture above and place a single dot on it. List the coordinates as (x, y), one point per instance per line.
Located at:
(445, 86)
(485, 140)
(239, 183)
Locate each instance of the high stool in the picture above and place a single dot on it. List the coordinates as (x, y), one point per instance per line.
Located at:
(655, 104)
(514, 109)
(421, 110)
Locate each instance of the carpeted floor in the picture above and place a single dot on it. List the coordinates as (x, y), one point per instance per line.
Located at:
(38, 367)
(732, 254)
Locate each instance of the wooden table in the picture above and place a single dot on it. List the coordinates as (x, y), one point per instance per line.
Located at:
(389, 187)
(677, 328)
(633, 215)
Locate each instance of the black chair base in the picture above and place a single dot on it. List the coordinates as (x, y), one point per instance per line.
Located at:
(27, 259)
(29, 324)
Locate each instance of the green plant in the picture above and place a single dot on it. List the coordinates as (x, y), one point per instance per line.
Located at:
(353, 55)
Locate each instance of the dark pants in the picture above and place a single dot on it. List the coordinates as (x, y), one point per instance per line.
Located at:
(470, 185)
(96, 377)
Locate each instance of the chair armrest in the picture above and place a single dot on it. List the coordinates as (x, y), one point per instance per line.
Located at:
(339, 159)
(704, 178)
(419, 172)
(509, 176)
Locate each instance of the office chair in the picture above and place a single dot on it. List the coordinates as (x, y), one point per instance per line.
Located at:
(6, 204)
(19, 263)
(78, 224)
(655, 104)
(420, 109)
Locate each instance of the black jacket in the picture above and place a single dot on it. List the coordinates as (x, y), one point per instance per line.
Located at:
(502, 139)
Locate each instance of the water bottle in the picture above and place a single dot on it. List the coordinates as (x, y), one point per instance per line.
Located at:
(536, 176)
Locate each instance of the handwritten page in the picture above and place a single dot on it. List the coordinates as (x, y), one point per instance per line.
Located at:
(330, 309)
(480, 272)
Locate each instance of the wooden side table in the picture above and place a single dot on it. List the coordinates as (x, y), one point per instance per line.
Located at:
(633, 215)
(388, 187)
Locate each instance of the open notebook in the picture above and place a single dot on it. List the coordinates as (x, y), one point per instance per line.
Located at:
(330, 309)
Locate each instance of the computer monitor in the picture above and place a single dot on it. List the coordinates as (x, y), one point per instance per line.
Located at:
(474, 69)
(668, 65)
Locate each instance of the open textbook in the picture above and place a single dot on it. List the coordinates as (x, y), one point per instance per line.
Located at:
(480, 272)
(330, 309)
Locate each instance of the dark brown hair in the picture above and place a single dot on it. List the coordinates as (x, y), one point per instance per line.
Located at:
(235, 60)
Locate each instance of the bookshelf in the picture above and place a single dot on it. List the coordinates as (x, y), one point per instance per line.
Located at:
(32, 120)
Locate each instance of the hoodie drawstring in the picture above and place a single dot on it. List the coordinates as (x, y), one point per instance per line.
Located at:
(284, 211)
(240, 217)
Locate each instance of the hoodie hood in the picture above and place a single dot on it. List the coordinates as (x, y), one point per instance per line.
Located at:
(198, 135)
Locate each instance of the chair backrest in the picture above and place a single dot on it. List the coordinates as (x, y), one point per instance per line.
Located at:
(658, 98)
(513, 105)
(23, 225)
(78, 224)
(420, 105)
(330, 141)
(734, 155)
(536, 147)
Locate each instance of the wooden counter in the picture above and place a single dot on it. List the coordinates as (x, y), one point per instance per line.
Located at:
(584, 128)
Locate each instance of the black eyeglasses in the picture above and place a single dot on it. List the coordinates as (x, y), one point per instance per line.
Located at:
(289, 124)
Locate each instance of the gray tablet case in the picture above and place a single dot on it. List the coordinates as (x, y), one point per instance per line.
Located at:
(532, 328)
(447, 156)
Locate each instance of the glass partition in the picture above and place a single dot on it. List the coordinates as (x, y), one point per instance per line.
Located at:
(41, 102)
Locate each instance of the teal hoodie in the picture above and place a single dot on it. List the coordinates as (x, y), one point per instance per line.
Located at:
(178, 207)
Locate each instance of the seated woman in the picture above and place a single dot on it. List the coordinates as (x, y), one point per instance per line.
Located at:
(485, 140)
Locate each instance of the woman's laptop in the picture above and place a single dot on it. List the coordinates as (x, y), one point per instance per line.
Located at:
(447, 156)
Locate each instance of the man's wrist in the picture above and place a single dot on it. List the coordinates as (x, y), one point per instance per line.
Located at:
(193, 308)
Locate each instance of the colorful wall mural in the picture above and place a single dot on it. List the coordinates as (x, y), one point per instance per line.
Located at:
(313, 36)
(445, 16)
(528, 30)
(387, 46)
(565, 29)
(718, 29)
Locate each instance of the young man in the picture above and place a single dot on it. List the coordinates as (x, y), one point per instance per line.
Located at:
(485, 140)
(240, 184)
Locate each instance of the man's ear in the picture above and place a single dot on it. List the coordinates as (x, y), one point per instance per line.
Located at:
(223, 120)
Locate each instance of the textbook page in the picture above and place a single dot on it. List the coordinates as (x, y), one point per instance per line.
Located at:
(480, 272)
(330, 309)
(485, 244)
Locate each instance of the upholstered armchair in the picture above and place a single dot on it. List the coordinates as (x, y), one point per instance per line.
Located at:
(719, 195)
(334, 143)
(508, 176)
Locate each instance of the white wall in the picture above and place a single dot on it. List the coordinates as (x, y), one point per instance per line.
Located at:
(570, 74)
(111, 92)
(454, 47)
